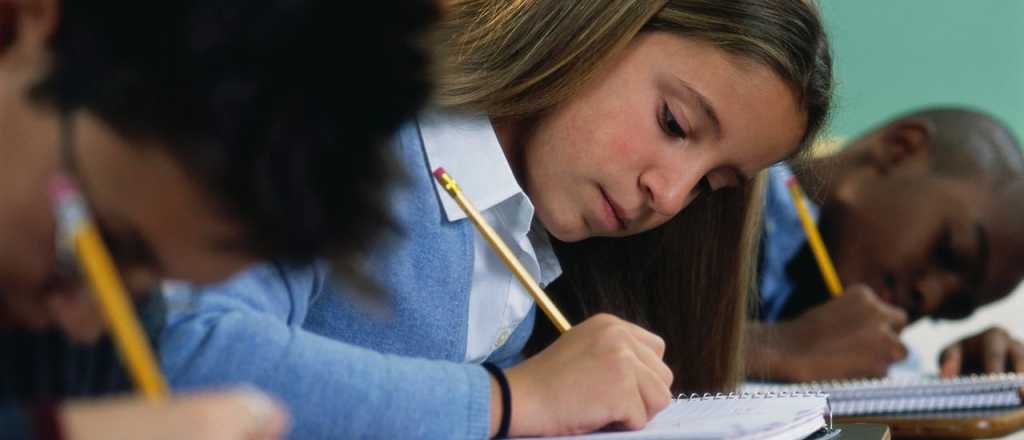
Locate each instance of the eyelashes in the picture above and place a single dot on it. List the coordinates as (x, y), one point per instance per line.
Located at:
(671, 126)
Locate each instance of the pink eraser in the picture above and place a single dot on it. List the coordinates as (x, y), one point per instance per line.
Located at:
(439, 172)
(791, 181)
(62, 187)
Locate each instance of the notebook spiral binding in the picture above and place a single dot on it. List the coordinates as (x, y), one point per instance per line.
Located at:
(763, 395)
(902, 388)
(928, 403)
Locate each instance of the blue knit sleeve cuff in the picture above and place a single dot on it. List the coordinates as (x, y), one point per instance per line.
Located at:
(479, 411)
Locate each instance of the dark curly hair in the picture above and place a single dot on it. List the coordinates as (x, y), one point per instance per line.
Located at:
(280, 108)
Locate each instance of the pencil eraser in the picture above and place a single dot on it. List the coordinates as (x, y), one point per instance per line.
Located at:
(439, 172)
(791, 181)
(61, 187)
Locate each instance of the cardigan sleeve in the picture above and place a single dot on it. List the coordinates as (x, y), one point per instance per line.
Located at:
(249, 331)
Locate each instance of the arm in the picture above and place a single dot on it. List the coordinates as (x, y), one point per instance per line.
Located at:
(603, 371)
(853, 336)
(249, 330)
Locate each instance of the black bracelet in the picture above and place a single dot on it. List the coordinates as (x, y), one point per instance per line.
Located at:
(506, 399)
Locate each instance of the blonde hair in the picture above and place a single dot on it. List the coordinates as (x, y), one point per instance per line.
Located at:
(518, 58)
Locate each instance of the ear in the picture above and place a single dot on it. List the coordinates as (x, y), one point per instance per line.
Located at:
(902, 142)
(26, 26)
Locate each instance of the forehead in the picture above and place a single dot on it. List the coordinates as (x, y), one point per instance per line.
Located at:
(760, 114)
(139, 186)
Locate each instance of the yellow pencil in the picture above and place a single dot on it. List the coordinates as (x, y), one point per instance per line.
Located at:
(80, 233)
(828, 271)
(504, 252)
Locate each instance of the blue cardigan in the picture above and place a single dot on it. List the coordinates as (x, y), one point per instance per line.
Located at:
(346, 370)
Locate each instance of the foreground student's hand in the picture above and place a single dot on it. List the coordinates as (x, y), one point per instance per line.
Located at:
(991, 351)
(233, 415)
(853, 336)
(604, 371)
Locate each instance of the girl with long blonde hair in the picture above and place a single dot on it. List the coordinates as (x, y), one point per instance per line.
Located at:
(581, 130)
(688, 280)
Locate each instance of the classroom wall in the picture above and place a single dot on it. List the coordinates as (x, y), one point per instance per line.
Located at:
(896, 55)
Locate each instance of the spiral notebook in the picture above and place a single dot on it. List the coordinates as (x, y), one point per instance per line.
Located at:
(760, 416)
(912, 395)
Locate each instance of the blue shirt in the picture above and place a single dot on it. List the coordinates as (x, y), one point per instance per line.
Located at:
(783, 238)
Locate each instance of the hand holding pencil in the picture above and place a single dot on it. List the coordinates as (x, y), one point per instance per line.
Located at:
(604, 371)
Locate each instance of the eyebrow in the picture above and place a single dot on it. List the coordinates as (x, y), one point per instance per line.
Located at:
(705, 105)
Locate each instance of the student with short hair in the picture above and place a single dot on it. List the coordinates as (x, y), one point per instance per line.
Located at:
(909, 212)
(204, 136)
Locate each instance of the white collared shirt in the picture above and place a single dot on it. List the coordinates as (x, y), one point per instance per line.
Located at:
(468, 149)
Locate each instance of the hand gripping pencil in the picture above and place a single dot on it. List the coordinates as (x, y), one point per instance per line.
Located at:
(78, 232)
(504, 252)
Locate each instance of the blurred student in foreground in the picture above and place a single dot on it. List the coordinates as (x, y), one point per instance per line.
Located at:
(203, 141)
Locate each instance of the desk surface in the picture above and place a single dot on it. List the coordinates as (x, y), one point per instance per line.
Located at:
(863, 431)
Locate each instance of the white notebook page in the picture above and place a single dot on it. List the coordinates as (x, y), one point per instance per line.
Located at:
(775, 418)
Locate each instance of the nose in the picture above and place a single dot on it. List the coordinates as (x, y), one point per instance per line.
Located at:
(667, 192)
(935, 286)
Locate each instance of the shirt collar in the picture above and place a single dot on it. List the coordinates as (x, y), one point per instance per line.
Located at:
(466, 146)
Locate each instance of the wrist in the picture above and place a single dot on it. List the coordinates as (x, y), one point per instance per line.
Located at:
(528, 421)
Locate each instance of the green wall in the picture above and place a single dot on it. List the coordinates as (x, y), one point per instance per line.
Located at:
(895, 55)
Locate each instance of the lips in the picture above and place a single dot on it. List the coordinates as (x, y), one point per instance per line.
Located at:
(615, 213)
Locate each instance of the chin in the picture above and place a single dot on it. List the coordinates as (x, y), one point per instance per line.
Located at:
(566, 232)
(568, 235)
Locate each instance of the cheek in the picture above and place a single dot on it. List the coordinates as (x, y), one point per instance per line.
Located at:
(617, 155)
(596, 134)
(625, 147)
(22, 310)
(27, 256)
(77, 315)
